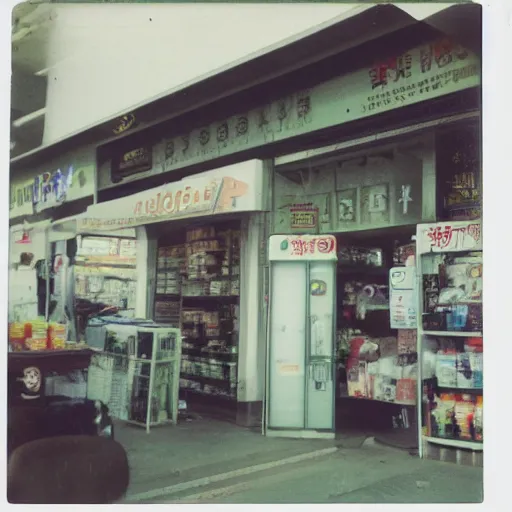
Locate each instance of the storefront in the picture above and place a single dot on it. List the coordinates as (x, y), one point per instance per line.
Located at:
(371, 193)
(199, 269)
(37, 259)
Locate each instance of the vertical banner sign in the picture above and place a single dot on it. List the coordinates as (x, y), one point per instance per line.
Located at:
(402, 297)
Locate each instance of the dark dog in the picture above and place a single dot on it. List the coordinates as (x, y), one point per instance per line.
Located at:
(61, 416)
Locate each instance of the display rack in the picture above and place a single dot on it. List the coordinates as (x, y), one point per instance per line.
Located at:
(137, 375)
(450, 337)
(197, 290)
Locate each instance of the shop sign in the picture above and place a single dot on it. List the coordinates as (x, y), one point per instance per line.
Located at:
(236, 188)
(302, 247)
(124, 124)
(420, 74)
(303, 216)
(449, 236)
(52, 188)
(130, 163)
(21, 199)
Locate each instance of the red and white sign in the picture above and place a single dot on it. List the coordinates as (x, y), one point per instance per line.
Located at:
(449, 236)
(302, 247)
(237, 188)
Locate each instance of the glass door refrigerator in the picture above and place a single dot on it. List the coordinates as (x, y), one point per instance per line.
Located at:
(300, 341)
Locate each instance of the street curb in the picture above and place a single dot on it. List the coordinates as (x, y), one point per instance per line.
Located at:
(201, 482)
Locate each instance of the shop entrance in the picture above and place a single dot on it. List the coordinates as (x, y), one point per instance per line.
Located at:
(375, 364)
(197, 289)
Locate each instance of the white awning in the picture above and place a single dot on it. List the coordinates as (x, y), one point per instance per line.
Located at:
(236, 188)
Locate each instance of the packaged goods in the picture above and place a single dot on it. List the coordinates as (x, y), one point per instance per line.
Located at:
(446, 370)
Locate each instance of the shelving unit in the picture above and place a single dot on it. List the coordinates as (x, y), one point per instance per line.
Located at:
(140, 381)
(466, 445)
(454, 334)
(203, 274)
(449, 265)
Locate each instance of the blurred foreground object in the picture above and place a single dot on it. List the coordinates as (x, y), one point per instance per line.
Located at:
(69, 469)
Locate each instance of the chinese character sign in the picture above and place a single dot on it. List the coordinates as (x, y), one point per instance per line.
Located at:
(449, 236)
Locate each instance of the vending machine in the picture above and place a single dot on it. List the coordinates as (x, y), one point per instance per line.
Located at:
(301, 333)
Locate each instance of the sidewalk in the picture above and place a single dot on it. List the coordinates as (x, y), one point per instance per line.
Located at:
(203, 447)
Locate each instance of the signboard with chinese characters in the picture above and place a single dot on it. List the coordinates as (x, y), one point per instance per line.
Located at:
(232, 189)
(420, 74)
(21, 198)
(302, 247)
(449, 236)
(50, 189)
(458, 161)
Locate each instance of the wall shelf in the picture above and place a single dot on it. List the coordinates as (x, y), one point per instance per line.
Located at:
(456, 443)
(454, 334)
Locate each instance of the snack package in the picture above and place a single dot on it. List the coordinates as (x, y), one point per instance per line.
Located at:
(442, 415)
(479, 419)
(356, 378)
(407, 341)
(406, 391)
(464, 414)
(477, 366)
(446, 370)
(384, 388)
(464, 371)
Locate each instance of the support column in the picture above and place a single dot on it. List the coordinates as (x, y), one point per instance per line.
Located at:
(251, 355)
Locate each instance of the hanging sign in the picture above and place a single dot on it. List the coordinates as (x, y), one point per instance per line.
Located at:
(132, 162)
(303, 216)
(402, 298)
(449, 236)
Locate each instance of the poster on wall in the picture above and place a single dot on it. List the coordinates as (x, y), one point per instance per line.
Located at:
(347, 205)
(402, 298)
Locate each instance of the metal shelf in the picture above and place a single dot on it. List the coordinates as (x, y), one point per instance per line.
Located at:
(222, 383)
(367, 399)
(454, 334)
(465, 391)
(456, 443)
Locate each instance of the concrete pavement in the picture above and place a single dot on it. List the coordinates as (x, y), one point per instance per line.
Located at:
(371, 474)
(209, 461)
